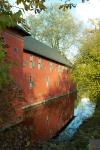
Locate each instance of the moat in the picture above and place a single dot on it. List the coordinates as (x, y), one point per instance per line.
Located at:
(84, 110)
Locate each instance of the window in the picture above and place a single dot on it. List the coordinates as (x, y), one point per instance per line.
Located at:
(31, 57)
(62, 68)
(31, 83)
(58, 83)
(47, 82)
(66, 69)
(32, 64)
(58, 68)
(24, 63)
(39, 63)
(15, 50)
(51, 67)
(47, 119)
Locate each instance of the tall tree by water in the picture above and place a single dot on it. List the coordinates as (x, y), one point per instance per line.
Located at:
(86, 70)
(55, 27)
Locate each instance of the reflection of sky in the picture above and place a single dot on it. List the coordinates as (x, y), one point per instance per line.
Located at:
(83, 111)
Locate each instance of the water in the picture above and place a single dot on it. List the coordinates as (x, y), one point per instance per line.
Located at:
(84, 110)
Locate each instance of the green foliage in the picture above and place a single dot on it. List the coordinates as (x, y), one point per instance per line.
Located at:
(7, 17)
(4, 66)
(68, 5)
(86, 70)
(37, 5)
(56, 28)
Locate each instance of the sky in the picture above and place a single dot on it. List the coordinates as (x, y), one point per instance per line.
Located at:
(88, 10)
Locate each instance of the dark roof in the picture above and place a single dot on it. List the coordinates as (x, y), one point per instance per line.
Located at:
(35, 46)
(21, 30)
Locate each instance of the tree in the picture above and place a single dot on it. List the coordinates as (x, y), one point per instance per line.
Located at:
(86, 70)
(55, 27)
(4, 65)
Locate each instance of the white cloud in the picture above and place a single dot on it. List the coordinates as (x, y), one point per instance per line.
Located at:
(88, 10)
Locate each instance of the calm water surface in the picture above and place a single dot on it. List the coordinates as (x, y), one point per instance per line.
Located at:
(84, 110)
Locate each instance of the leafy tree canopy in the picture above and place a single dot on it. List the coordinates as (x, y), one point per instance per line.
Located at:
(86, 70)
(55, 27)
(4, 65)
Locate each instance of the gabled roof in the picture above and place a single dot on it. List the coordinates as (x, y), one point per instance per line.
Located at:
(34, 46)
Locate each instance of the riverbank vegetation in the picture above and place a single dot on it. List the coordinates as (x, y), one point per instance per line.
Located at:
(86, 73)
(86, 69)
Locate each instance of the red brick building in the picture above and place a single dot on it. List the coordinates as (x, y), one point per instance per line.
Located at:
(44, 76)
